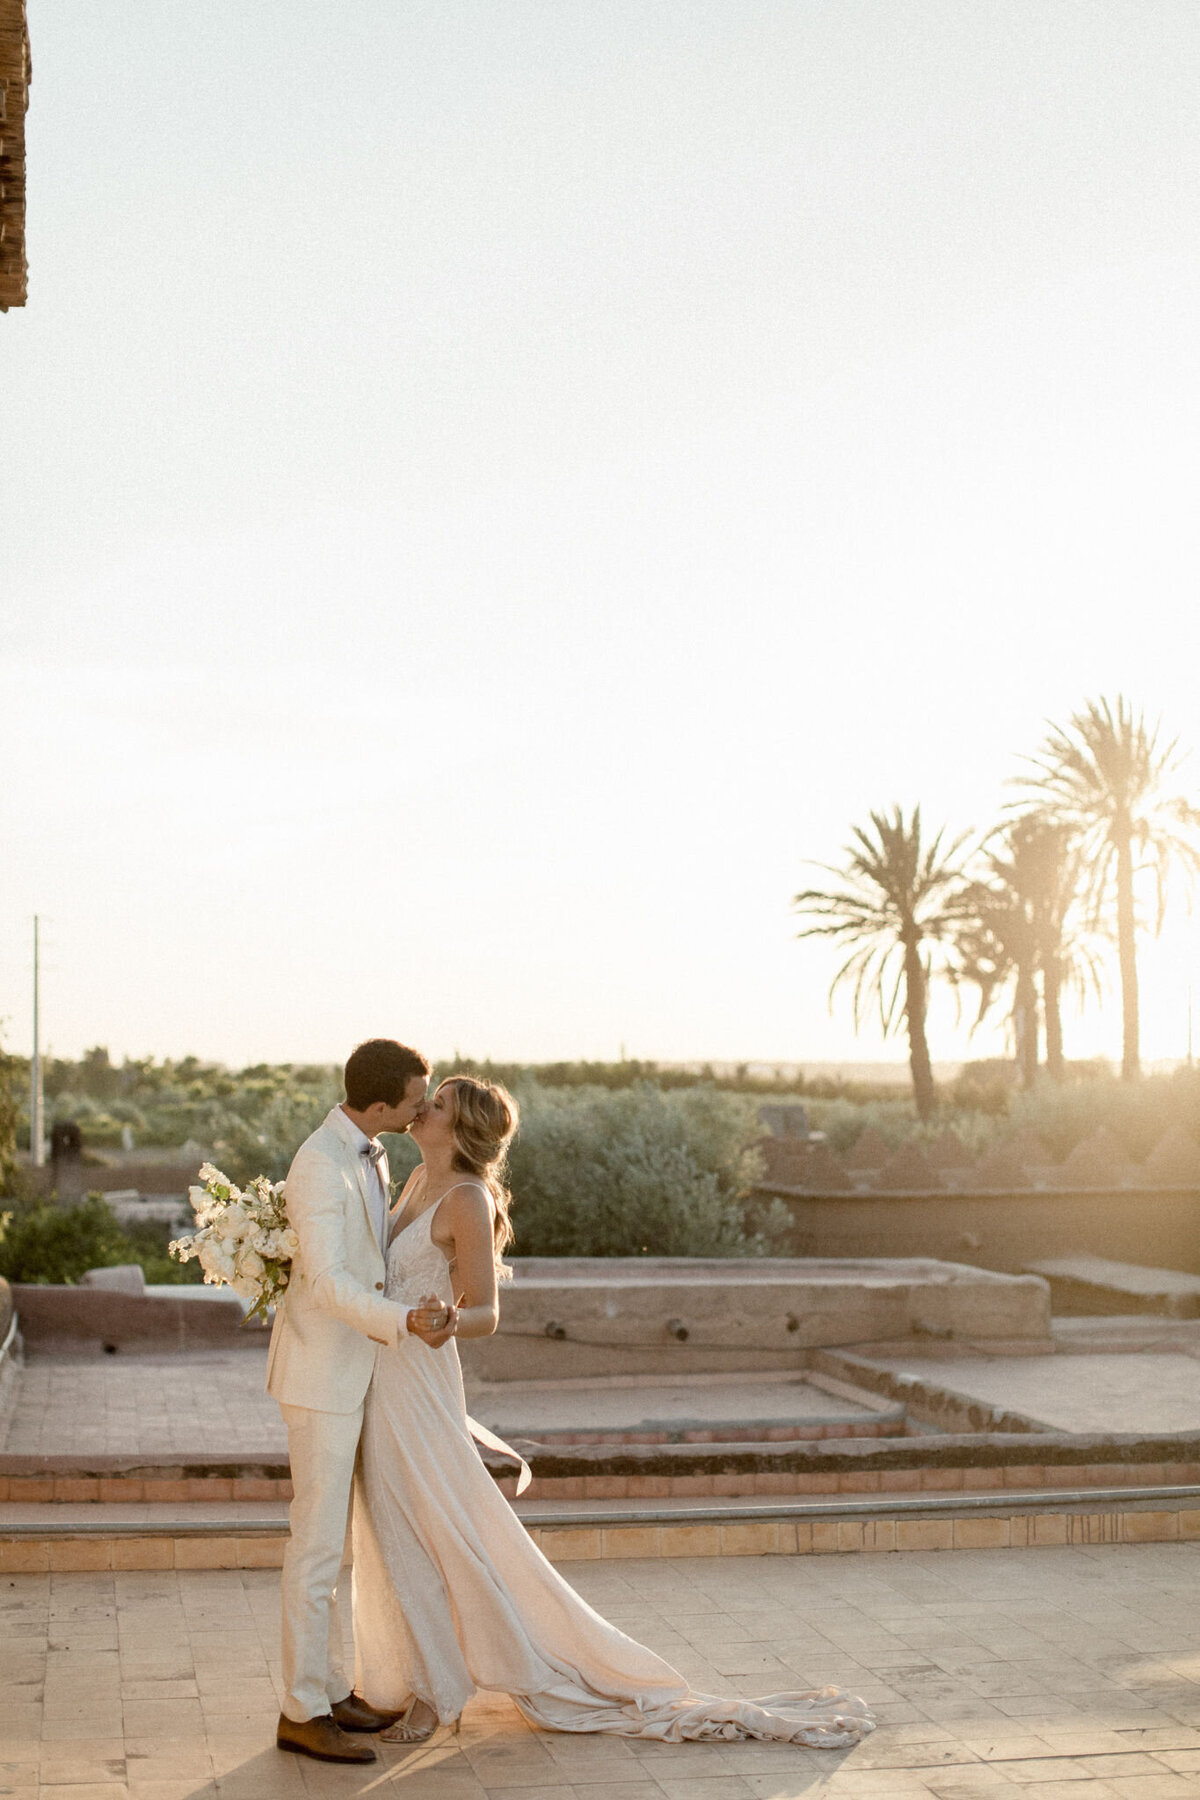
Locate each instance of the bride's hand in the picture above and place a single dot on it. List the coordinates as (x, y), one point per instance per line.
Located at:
(432, 1321)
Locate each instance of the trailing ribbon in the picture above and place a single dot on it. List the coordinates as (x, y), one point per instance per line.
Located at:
(490, 1441)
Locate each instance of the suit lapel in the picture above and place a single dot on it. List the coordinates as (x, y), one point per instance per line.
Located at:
(359, 1165)
(364, 1169)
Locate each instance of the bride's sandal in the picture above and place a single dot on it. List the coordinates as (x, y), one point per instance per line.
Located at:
(416, 1724)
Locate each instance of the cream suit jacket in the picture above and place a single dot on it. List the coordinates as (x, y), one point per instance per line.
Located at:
(333, 1315)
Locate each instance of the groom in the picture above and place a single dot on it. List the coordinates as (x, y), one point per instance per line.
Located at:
(323, 1347)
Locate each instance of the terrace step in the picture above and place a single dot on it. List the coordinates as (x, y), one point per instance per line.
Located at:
(663, 1473)
(198, 1538)
(1085, 1334)
(807, 1406)
(1095, 1285)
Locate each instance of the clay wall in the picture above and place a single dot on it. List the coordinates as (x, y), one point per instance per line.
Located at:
(1156, 1227)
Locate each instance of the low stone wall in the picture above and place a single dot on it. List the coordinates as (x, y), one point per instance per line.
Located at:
(74, 1178)
(95, 1320)
(571, 1317)
(579, 1317)
(1000, 1230)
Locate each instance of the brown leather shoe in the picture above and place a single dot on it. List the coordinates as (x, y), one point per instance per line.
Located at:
(323, 1738)
(356, 1714)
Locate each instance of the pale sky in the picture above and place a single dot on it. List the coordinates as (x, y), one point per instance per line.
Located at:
(491, 489)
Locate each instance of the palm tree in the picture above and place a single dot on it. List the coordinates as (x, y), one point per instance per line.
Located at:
(1013, 925)
(892, 899)
(1104, 777)
(996, 950)
(1068, 955)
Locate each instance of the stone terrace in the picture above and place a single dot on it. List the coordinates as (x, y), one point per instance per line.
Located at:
(167, 1407)
(1060, 1672)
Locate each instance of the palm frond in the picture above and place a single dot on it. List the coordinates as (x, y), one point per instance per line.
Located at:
(1106, 773)
(890, 888)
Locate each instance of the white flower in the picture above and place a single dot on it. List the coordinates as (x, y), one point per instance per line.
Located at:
(218, 1260)
(243, 1239)
(231, 1223)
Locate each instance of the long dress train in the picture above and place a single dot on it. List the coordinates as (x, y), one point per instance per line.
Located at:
(452, 1595)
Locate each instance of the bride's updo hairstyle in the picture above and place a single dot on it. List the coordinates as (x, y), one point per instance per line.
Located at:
(484, 1117)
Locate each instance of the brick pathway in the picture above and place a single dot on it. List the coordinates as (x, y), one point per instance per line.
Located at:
(995, 1674)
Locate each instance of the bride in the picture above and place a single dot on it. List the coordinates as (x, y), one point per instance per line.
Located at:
(450, 1592)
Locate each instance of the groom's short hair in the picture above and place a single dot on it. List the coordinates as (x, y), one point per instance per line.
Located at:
(381, 1069)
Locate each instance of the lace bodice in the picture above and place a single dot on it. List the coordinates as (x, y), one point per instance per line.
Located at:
(416, 1266)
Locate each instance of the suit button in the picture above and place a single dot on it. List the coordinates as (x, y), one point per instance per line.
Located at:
(379, 1286)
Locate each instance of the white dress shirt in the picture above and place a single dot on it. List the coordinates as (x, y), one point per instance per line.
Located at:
(376, 1197)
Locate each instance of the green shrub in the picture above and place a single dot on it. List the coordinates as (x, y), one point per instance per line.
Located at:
(265, 1142)
(844, 1121)
(1137, 1112)
(984, 1087)
(146, 1241)
(44, 1243)
(50, 1244)
(1062, 1114)
(633, 1172)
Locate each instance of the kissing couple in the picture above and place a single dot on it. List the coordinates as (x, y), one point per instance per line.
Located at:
(450, 1594)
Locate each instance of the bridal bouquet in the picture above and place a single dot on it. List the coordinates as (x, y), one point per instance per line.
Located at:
(243, 1238)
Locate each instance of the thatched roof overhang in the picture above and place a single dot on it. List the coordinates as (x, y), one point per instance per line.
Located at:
(14, 98)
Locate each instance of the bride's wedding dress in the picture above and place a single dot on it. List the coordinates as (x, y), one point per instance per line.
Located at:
(451, 1594)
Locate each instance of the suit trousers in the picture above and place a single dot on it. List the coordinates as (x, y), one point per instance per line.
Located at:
(322, 1447)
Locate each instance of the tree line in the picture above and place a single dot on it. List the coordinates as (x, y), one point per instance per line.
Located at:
(1022, 915)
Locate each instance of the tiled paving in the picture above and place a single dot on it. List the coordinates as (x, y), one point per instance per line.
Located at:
(164, 1407)
(1146, 1393)
(215, 1402)
(1044, 1673)
(646, 1408)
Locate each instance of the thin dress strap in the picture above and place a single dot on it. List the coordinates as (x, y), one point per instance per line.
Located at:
(427, 1211)
(472, 1181)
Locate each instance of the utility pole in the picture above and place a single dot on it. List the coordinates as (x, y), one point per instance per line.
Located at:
(37, 1141)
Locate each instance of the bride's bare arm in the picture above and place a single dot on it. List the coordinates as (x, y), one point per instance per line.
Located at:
(465, 1229)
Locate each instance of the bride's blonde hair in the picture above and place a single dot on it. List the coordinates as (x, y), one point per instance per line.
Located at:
(484, 1117)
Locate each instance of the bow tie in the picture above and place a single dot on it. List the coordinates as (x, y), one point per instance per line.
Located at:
(373, 1152)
